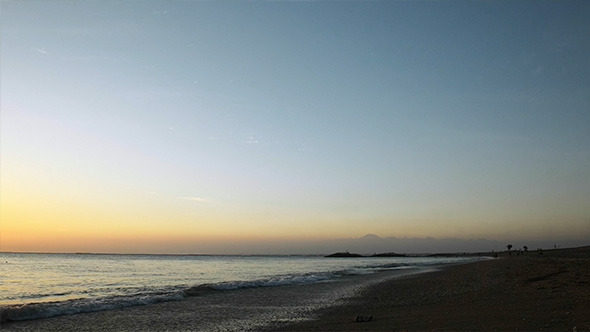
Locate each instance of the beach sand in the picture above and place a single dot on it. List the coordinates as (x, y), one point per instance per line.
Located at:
(536, 291)
(529, 292)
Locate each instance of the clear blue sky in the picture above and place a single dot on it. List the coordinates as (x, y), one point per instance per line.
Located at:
(218, 121)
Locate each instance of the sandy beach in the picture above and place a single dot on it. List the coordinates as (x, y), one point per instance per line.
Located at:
(536, 291)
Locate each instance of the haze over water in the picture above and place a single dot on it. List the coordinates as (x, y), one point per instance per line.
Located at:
(251, 127)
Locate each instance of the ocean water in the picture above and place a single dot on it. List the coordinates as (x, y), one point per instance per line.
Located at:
(34, 286)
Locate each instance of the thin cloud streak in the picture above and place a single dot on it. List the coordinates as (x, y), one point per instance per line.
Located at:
(195, 199)
(41, 51)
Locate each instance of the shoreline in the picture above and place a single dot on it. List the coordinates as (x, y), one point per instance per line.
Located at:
(254, 309)
(536, 291)
(157, 287)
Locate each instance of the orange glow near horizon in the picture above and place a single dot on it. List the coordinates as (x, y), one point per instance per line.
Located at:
(36, 216)
(55, 224)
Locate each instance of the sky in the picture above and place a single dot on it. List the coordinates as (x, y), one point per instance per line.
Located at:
(218, 126)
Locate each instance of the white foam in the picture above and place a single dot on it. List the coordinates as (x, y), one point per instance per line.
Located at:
(273, 281)
(51, 309)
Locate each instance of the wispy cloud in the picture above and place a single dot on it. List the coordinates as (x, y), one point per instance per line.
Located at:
(252, 140)
(303, 147)
(195, 199)
(41, 50)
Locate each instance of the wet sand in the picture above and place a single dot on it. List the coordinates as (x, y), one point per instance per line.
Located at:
(536, 291)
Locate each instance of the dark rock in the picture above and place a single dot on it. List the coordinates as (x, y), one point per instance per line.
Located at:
(363, 319)
(344, 255)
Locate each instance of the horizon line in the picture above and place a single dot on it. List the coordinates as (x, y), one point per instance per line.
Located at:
(260, 254)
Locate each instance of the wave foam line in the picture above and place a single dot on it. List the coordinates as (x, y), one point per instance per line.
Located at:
(50, 309)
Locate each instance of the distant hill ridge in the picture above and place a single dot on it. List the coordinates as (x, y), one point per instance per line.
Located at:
(352, 255)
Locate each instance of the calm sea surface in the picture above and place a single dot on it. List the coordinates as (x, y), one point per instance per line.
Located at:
(44, 285)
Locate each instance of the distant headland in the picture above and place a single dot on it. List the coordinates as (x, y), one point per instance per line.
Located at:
(347, 254)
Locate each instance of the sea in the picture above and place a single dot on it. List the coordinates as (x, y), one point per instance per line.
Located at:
(37, 285)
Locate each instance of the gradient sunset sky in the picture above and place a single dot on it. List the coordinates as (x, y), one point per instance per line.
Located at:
(190, 127)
